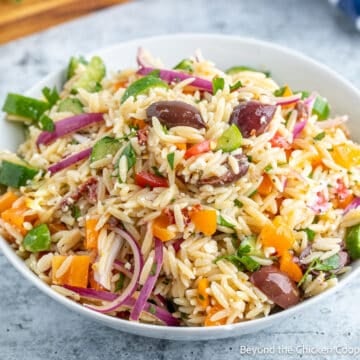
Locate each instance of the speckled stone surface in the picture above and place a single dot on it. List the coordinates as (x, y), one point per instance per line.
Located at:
(33, 326)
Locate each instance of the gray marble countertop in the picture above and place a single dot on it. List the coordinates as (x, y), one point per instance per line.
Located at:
(32, 326)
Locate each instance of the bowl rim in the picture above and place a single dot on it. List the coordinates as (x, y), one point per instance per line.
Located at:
(196, 333)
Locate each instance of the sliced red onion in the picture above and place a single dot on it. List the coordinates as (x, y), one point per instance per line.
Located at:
(288, 100)
(177, 244)
(143, 58)
(159, 300)
(69, 125)
(149, 283)
(298, 128)
(353, 205)
(119, 266)
(70, 160)
(128, 292)
(175, 76)
(310, 101)
(154, 310)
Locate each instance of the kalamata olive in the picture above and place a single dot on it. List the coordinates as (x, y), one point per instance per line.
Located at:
(276, 285)
(344, 259)
(175, 113)
(302, 111)
(229, 177)
(252, 117)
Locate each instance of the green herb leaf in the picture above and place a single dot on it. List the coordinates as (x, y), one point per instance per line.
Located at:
(152, 309)
(320, 136)
(130, 155)
(268, 168)
(238, 203)
(186, 65)
(170, 159)
(52, 96)
(280, 92)
(153, 269)
(332, 263)
(249, 263)
(120, 283)
(310, 234)
(218, 84)
(75, 212)
(223, 222)
(143, 85)
(157, 172)
(46, 124)
(321, 108)
(236, 86)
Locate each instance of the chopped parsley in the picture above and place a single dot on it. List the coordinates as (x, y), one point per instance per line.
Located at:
(310, 234)
(223, 222)
(332, 263)
(170, 159)
(320, 136)
(236, 86)
(218, 83)
(153, 269)
(238, 203)
(268, 168)
(120, 283)
(241, 259)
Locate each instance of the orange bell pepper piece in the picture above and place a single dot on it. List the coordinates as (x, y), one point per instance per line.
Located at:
(139, 123)
(203, 297)
(159, 228)
(7, 200)
(181, 146)
(204, 221)
(288, 266)
(16, 218)
(278, 235)
(91, 238)
(76, 275)
(266, 186)
(214, 309)
(346, 155)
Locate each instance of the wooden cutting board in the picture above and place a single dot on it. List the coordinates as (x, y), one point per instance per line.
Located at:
(23, 17)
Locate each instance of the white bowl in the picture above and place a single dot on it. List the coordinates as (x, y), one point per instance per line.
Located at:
(286, 66)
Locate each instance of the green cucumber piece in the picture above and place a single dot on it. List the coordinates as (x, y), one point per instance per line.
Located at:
(105, 146)
(352, 241)
(72, 105)
(25, 107)
(92, 76)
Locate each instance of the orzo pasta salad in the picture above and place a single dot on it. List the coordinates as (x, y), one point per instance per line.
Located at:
(184, 196)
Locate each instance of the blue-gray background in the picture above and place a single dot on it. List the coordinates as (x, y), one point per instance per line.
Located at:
(33, 326)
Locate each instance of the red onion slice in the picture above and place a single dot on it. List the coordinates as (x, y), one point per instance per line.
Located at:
(119, 266)
(288, 100)
(69, 125)
(175, 76)
(353, 205)
(298, 128)
(154, 310)
(143, 58)
(70, 160)
(129, 291)
(149, 283)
